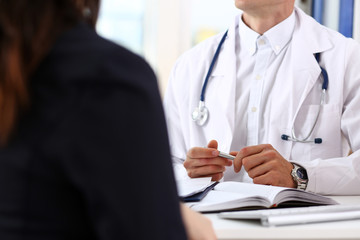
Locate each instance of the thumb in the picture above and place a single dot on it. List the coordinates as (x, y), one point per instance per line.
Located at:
(213, 144)
(237, 162)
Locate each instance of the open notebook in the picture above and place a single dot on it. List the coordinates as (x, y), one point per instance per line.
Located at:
(236, 195)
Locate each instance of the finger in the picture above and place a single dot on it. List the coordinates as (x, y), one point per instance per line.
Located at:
(199, 162)
(251, 150)
(244, 153)
(215, 177)
(234, 153)
(213, 144)
(253, 156)
(259, 170)
(253, 161)
(275, 178)
(198, 152)
(237, 161)
(263, 157)
(207, 170)
(263, 179)
(272, 178)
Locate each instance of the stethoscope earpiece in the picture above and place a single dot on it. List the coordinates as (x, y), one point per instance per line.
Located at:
(288, 138)
(285, 137)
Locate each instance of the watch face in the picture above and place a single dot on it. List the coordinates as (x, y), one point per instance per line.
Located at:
(301, 173)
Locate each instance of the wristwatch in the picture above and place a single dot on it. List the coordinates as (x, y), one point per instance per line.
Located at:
(299, 176)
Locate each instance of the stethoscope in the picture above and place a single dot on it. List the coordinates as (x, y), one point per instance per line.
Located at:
(201, 113)
(322, 102)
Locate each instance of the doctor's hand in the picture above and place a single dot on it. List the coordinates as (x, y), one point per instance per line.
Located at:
(265, 165)
(205, 162)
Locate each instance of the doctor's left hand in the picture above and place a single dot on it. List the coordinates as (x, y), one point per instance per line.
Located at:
(265, 165)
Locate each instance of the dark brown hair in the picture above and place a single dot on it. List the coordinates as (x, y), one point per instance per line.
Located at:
(28, 28)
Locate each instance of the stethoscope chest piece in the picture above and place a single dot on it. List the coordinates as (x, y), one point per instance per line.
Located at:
(200, 114)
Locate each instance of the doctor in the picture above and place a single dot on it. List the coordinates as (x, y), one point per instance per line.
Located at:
(282, 95)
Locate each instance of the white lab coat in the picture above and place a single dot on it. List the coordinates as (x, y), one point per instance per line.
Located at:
(330, 169)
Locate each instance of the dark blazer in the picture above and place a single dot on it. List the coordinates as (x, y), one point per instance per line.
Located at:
(90, 158)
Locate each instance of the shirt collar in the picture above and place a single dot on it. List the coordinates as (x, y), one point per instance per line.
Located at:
(278, 36)
(248, 37)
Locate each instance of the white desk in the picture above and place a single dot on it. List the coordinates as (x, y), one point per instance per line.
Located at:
(253, 230)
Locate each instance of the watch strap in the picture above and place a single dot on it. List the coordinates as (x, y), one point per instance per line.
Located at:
(301, 183)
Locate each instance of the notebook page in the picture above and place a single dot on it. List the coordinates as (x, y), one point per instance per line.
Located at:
(191, 186)
(249, 189)
(218, 200)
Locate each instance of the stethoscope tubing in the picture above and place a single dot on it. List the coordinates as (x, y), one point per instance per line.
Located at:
(324, 87)
(202, 112)
(216, 55)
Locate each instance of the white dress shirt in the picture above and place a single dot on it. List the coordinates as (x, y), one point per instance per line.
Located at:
(258, 58)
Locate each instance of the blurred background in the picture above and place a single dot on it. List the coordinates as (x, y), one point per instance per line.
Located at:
(161, 30)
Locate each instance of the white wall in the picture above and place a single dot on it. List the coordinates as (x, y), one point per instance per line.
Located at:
(172, 37)
(178, 22)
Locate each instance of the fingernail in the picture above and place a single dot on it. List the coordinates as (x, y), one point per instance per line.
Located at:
(215, 153)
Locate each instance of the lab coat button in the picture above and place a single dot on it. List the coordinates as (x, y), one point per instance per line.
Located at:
(253, 109)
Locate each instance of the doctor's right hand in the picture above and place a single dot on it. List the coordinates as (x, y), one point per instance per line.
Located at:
(205, 162)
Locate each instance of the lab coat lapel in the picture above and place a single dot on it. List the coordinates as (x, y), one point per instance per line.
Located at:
(304, 75)
(296, 78)
(304, 45)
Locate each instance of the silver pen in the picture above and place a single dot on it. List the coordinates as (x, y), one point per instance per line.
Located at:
(225, 155)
